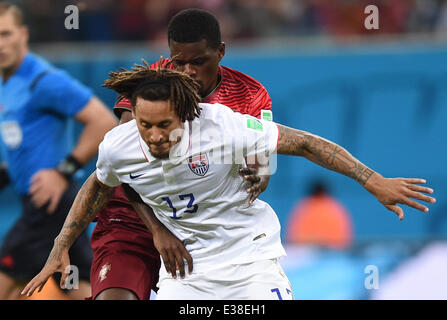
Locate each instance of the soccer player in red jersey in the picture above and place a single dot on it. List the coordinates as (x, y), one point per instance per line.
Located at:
(126, 255)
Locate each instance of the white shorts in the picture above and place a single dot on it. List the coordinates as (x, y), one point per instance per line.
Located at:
(259, 280)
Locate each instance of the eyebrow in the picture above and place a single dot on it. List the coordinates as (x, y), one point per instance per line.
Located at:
(175, 58)
(158, 123)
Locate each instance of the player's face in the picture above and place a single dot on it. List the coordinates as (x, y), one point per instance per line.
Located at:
(156, 121)
(13, 42)
(199, 61)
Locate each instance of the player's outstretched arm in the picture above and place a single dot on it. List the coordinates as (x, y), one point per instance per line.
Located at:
(389, 191)
(91, 198)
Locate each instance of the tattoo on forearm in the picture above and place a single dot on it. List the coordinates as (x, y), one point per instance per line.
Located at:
(322, 152)
(56, 252)
(290, 141)
(90, 200)
(362, 173)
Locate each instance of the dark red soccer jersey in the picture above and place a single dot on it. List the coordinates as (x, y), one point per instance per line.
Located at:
(236, 90)
(240, 92)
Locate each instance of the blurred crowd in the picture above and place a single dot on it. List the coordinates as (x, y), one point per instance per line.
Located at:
(136, 20)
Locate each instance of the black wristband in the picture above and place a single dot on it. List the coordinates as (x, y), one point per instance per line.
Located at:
(4, 177)
(68, 167)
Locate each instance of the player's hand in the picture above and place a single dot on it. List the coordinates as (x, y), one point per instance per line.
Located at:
(258, 182)
(47, 187)
(58, 261)
(172, 251)
(391, 191)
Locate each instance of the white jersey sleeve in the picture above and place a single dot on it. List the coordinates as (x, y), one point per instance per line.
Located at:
(253, 136)
(104, 169)
(262, 135)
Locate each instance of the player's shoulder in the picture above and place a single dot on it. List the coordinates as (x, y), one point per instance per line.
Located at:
(217, 115)
(52, 78)
(210, 111)
(162, 63)
(37, 63)
(120, 135)
(119, 145)
(122, 104)
(44, 79)
(233, 77)
(36, 68)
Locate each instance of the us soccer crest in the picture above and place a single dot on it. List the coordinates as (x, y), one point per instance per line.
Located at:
(199, 164)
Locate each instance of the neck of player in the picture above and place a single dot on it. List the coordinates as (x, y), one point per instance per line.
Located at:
(212, 88)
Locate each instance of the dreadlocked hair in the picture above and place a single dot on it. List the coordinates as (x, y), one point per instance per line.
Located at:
(158, 85)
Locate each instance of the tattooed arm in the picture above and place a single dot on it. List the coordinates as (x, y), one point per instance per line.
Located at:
(91, 198)
(389, 191)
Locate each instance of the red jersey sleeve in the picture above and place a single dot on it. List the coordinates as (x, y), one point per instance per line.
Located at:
(122, 104)
(261, 101)
(165, 63)
(242, 93)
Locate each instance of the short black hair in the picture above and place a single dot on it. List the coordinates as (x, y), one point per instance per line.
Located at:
(192, 25)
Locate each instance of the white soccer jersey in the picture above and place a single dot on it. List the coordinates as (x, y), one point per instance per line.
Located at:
(198, 193)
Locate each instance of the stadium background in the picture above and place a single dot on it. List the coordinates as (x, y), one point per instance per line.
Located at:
(381, 94)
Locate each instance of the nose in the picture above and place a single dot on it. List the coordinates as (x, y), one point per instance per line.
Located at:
(155, 136)
(190, 70)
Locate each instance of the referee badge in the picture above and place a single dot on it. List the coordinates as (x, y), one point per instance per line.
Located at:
(199, 164)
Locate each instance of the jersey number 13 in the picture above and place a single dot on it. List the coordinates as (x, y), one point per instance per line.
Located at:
(192, 208)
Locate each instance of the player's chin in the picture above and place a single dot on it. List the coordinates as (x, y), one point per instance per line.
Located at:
(160, 153)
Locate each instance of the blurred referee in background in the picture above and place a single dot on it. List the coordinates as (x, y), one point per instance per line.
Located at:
(36, 100)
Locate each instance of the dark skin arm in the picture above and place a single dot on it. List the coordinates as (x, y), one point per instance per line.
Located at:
(91, 199)
(171, 249)
(259, 176)
(389, 191)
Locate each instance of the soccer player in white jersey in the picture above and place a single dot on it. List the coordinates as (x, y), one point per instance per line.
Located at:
(182, 158)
